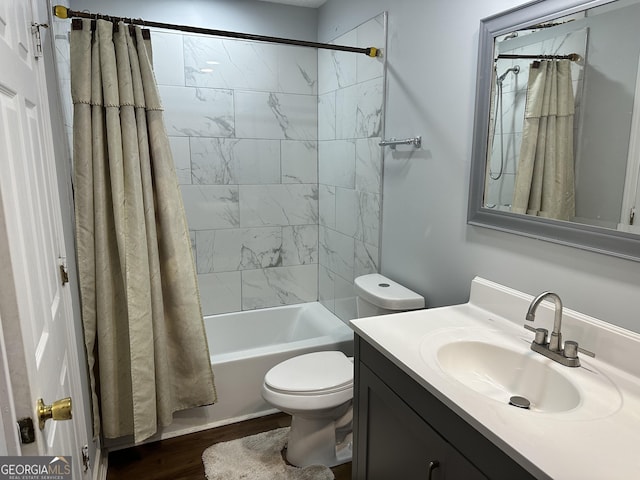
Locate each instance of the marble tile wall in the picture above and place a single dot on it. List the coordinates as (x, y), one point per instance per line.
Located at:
(350, 123)
(242, 122)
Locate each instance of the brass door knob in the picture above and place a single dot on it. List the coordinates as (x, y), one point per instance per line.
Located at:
(59, 410)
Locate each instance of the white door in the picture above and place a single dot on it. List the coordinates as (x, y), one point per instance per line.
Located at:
(630, 215)
(33, 228)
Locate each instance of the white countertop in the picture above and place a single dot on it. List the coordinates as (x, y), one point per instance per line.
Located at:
(599, 439)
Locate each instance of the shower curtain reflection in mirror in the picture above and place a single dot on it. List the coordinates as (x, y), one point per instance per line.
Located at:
(544, 183)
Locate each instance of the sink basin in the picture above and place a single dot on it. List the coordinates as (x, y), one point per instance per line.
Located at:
(497, 366)
(501, 373)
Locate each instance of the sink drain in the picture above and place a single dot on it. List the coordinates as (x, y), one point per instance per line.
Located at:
(519, 402)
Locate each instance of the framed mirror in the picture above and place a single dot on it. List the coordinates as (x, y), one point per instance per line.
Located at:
(556, 145)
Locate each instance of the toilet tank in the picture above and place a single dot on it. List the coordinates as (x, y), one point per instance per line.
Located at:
(378, 295)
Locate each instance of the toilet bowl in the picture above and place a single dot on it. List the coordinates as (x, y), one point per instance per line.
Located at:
(316, 389)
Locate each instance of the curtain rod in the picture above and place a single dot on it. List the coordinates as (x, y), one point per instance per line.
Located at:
(61, 11)
(574, 57)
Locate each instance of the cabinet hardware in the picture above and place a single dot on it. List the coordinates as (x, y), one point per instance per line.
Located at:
(433, 465)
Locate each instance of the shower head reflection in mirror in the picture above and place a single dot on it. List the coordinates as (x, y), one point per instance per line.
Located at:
(499, 116)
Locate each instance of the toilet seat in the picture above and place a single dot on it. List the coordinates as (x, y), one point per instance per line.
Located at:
(312, 374)
(325, 391)
(308, 382)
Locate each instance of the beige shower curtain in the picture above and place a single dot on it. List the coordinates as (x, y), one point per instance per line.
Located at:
(144, 334)
(544, 184)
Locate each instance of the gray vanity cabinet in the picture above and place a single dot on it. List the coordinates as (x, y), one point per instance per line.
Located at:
(401, 431)
(400, 444)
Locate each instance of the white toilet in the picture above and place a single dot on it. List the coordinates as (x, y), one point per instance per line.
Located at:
(377, 295)
(316, 389)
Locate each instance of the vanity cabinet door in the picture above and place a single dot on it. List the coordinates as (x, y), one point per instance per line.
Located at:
(398, 443)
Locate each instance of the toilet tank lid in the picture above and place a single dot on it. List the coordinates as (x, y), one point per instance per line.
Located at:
(385, 293)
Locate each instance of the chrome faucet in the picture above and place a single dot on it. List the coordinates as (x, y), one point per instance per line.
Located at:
(554, 350)
(555, 342)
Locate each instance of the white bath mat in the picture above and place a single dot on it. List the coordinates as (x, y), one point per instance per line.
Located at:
(257, 457)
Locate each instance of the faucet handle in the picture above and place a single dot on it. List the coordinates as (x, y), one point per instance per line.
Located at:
(541, 334)
(587, 352)
(571, 350)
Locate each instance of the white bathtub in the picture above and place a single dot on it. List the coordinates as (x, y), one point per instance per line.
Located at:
(245, 345)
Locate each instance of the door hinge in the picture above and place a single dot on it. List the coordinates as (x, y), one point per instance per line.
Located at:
(632, 215)
(64, 274)
(37, 38)
(85, 458)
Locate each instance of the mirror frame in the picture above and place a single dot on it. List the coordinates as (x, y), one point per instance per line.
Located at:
(597, 239)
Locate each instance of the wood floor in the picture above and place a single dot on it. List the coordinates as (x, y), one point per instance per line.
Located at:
(180, 458)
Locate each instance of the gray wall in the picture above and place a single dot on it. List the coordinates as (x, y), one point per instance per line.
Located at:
(426, 243)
